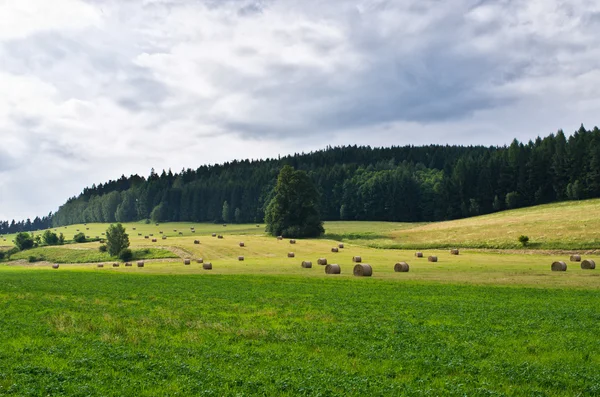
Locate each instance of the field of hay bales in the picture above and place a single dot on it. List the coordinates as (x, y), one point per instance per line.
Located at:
(476, 322)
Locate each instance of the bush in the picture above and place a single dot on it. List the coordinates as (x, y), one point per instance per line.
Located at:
(50, 238)
(32, 259)
(23, 241)
(79, 238)
(126, 255)
(103, 248)
(524, 240)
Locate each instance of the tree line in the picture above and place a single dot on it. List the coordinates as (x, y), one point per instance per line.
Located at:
(426, 183)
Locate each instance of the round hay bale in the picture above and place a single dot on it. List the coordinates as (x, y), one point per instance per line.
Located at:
(224, 225)
(559, 266)
(207, 266)
(340, 245)
(186, 261)
(432, 258)
(200, 260)
(401, 267)
(292, 241)
(335, 249)
(363, 270)
(291, 255)
(306, 264)
(220, 236)
(240, 258)
(196, 241)
(156, 224)
(115, 264)
(134, 228)
(127, 264)
(153, 240)
(242, 244)
(279, 237)
(322, 261)
(193, 231)
(140, 264)
(419, 254)
(454, 251)
(164, 237)
(181, 233)
(139, 234)
(175, 230)
(356, 259)
(55, 266)
(333, 269)
(101, 241)
(100, 265)
(160, 232)
(575, 258)
(257, 225)
(214, 234)
(151, 234)
(588, 264)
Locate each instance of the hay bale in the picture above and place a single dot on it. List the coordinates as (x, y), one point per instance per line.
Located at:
(279, 237)
(306, 264)
(363, 270)
(559, 266)
(356, 259)
(224, 225)
(115, 264)
(164, 237)
(127, 264)
(134, 228)
(220, 236)
(454, 251)
(160, 232)
(153, 240)
(181, 233)
(151, 234)
(432, 258)
(588, 264)
(193, 231)
(292, 241)
(291, 255)
(100, 265)
(240, 258)
(55, 266)
(186, 261)
(333, 269)
(575, 258)
(322, 261)
(196, 241)
(207, 266)
(242, 244)
(175, 230)
(340, 245)
(419, 254)
(140, 264)
(200, 260)
(257, 225)
(335, 249)
(139, 234)
(401, 267)
(214, 234)
(156, 224)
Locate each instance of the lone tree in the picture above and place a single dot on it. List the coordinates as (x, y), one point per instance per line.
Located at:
(294, 209)
(116, 239)
(23, 241)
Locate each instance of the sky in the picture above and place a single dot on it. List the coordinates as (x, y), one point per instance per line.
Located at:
(93, 89)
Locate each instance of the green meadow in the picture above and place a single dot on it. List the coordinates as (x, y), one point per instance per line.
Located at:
(491, 321)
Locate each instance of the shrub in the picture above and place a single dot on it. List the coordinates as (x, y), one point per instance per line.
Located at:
(50, 238)
(23, 241)
(126, 255)
(524, 240)
(79, 238)
(32, 259)
(103, 248)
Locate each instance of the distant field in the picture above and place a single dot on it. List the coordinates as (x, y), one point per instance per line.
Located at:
(109, 333)
(85, 254)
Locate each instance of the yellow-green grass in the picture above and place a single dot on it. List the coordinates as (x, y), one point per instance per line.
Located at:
(267, 255)
(85, 253)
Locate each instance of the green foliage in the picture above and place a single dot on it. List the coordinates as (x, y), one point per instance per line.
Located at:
(524, 240)
(32, 258)
(126, 255)
(260, 335)
(512, 200)
(103, 248)
(294, 208)
(79, 237)
(155, 215)
(61, 239)
(23, 241)
(225, 212)
(116, 239)
(50, 238)
(238, 215)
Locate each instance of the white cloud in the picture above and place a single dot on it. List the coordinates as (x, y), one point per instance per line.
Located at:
(98, 88)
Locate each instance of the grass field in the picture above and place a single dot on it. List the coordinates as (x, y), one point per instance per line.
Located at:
(489, 322)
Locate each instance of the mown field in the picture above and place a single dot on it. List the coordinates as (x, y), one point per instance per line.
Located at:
(485, 322)
(112, 334)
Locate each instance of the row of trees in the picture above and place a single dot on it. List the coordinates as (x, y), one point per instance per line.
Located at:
(408, 183)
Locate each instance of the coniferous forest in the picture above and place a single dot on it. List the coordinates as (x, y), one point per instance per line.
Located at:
(427, 183)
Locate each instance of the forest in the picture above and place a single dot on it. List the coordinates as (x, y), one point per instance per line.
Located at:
(408, 183)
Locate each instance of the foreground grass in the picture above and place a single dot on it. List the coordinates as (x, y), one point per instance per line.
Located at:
(111, 334)
(75, 254)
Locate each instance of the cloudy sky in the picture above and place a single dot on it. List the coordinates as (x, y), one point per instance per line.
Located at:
(92, 89)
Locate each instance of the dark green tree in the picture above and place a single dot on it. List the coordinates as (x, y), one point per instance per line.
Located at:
(225, 212)
(23, 241)
(116, 239)
(294, 209)
(50, 238)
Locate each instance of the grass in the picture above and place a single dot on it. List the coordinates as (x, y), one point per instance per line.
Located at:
(73, 254)
(109, 334)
